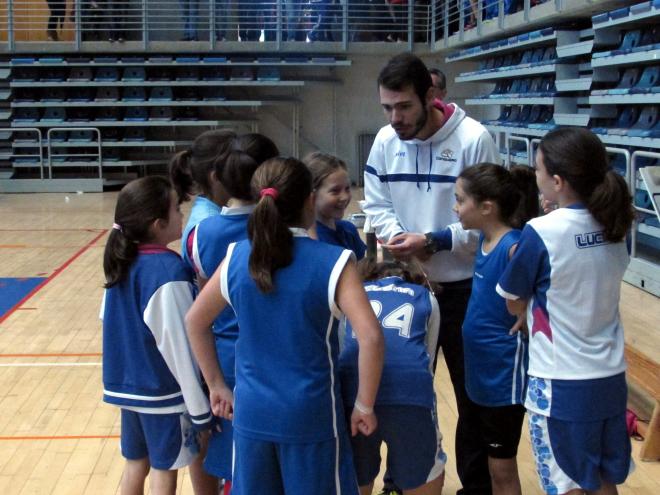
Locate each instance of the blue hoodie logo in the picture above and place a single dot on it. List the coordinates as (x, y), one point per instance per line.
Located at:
(400, 154)
(446, 155)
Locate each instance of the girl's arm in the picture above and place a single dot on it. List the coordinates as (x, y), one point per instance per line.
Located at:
(199, 319)
(352, 300)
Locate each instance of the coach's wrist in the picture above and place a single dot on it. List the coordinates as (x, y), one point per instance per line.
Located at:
(362, 408)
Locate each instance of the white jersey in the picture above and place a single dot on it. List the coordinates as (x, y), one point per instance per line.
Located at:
(572, 277)
(409, 187)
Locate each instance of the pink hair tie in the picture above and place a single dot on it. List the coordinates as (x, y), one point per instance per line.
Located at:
(269, 191)
(116, 226)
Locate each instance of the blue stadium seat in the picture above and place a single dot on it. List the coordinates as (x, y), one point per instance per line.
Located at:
(648, 118)
(134, 94)
(134, 134)
(648, 80)
(110, 93)
(81, 136)
(79, 115)
(512, 119)
(54, 95)
(25, 115)
(630, 40)
(188, 74)
(110, 134)
(268, 74)
(107, 74)
(545, 120)
(81, 95)
(600, 18)
(650, 37)
(214, 74)
(25, 95)
(187, 94)
(159, 74)
(627, 81)
(108, 114)
(132, 60)
(526, 58)
(134, 74)
(625, 121)
(54, 114)
(187, 113)
(213, 94)
(23, 75)
(619, 13)
(160, 94)
(136, 114)
(80, 74)
(640, 7)
(160, 113)
(241, 74)
(54, 75)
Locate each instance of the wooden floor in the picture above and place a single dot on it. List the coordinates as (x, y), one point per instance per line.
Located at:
(56, 436)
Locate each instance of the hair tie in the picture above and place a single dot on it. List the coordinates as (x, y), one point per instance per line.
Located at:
(269, 191)
(116, 226)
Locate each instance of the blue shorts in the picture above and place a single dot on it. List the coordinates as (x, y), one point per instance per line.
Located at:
(573, 455)
(276, 468)
(414, 447)
(168, 440)
(219, 454)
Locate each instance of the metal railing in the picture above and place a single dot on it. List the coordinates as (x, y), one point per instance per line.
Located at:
(218, 21)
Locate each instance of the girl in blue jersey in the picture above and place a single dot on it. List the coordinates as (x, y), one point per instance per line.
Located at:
(497, 202)
(210, 241)
(405, 404)
(148, 369)
(332, 191)
(566, 275)
(288, 291)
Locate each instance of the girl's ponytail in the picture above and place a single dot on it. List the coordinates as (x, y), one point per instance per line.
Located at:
(280, 186)
(181, 176)
(528, 206)
(579, 157)
(611, 205)
(140, 203)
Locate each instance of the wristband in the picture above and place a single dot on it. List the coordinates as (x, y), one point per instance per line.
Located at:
(362, 408)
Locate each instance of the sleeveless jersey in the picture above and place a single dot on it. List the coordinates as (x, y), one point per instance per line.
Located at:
(495, 362)
(345, 235)
(410, 319)
(286, 353)
(201, 208)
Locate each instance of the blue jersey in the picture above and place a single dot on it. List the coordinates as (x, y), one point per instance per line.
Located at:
(410, 318)
(286, 354)
(201, 208)
(211, 238)
(147, 363)
(572, 278)
(345, 235)
(495, 362)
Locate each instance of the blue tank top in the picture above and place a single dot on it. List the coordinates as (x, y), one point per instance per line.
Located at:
(495, 362)
(211, 239)
(287, 387)
(344, 235)
(202, 208)
(409, 316)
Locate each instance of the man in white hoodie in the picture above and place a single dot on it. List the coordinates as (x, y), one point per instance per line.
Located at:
(409, 191)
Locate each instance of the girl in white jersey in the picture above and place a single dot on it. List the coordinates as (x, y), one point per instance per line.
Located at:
(288, 291)
(566, 274)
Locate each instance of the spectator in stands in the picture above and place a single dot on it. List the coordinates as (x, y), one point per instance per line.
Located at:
(294, 31)
(114, 16)
(248, 20)
(321, 15)
(439, 83)
(190, 9)
(57, 10)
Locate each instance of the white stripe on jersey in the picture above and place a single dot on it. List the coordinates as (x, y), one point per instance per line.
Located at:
(224, 287)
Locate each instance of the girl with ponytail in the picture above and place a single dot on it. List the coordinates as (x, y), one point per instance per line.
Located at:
(210, 240)
(566, 278)
(148, 368)
(288, 292)
(195, 172)
(497, 202)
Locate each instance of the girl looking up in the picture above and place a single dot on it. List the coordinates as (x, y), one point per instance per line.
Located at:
(497, 202)
(332, 191)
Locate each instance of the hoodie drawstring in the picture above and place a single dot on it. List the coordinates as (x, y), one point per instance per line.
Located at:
(428, 183)
(417, 166)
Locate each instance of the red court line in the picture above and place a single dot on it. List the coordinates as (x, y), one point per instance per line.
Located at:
(61, 437)
(88, 354)
(53, 275)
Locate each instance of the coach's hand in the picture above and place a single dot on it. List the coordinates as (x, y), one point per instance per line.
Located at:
(405, 245)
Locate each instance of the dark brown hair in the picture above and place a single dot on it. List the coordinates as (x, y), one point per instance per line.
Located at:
(268, 226)
(405, 70)
(236, 167)
(410, 271)
(321, 165)
(514, 191)
(579, 157)
(189, 169)
(139, 204)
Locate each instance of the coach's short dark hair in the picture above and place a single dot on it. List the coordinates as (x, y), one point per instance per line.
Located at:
(406, 70)
(442, 80)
